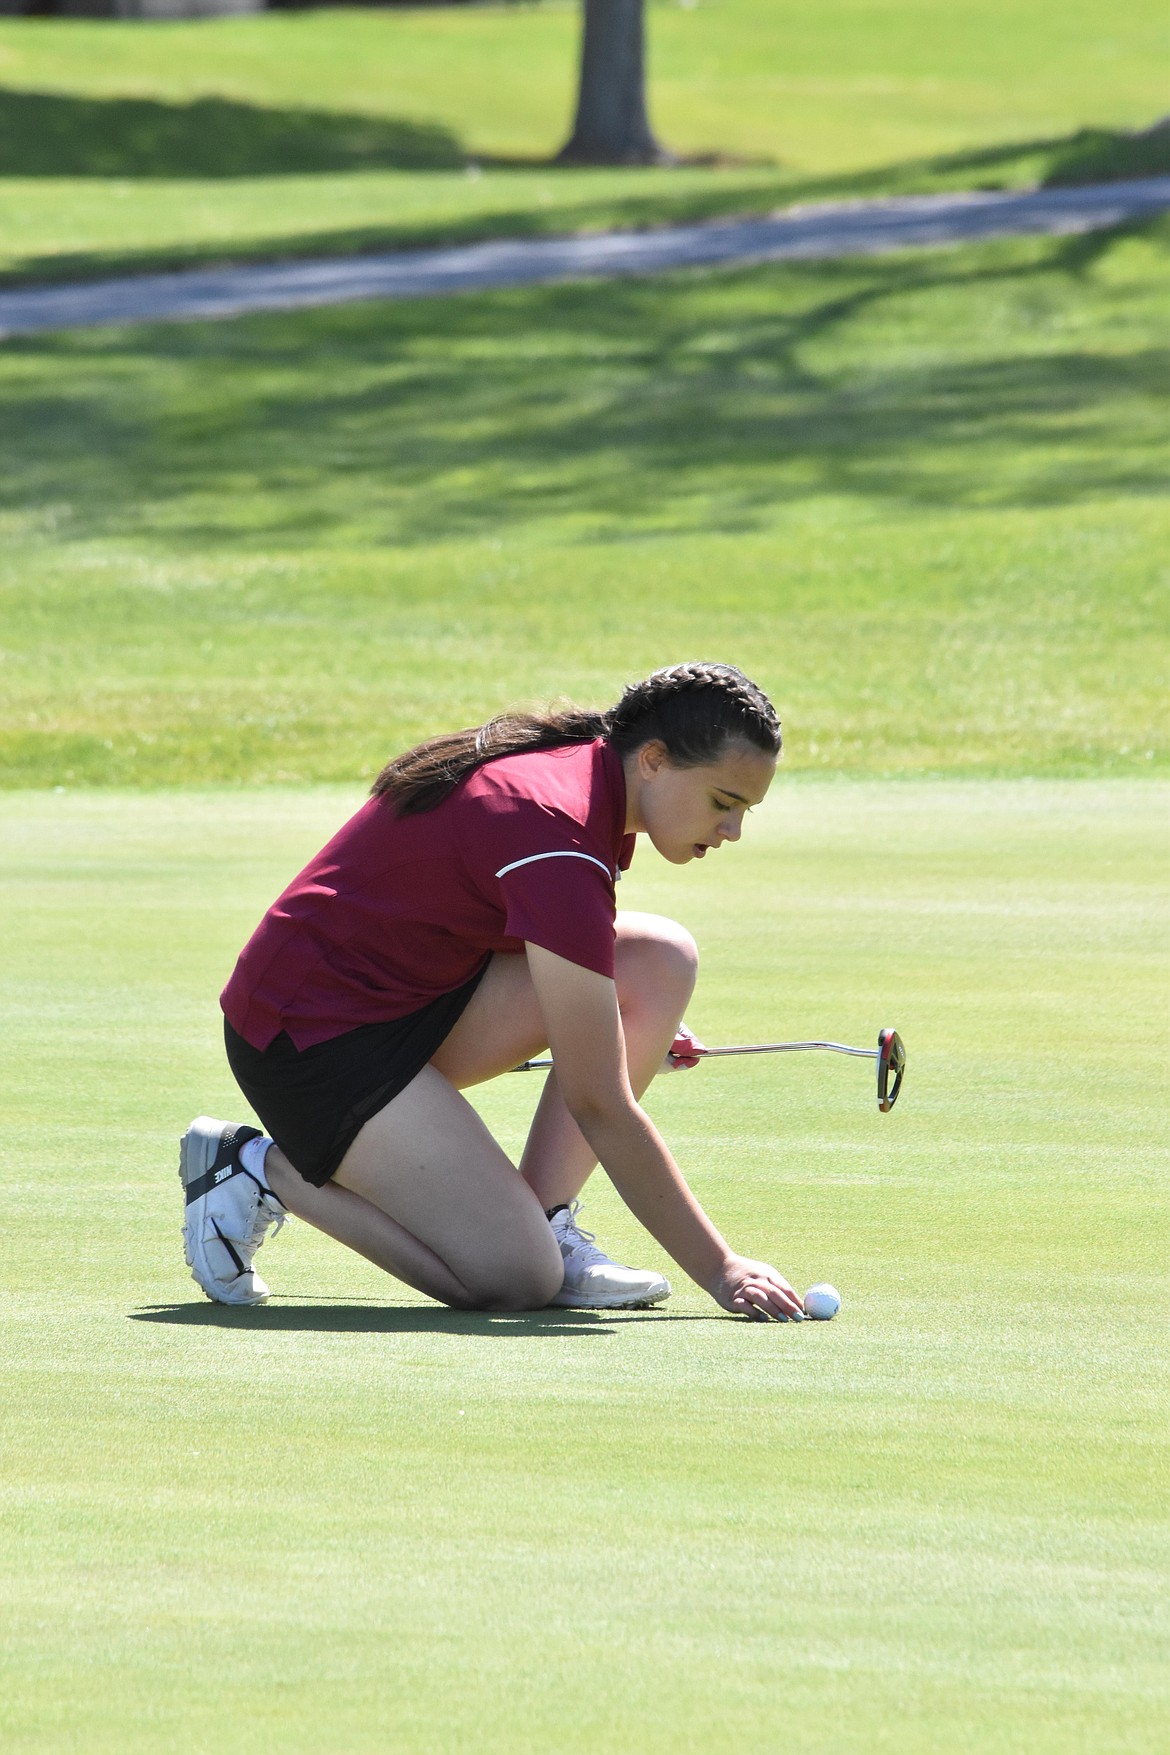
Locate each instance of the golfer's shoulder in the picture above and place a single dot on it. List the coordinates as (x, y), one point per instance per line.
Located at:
(571, 784)
(545, 801)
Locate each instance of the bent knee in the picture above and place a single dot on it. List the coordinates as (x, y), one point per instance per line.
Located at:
(656, 954)
(681, 956)
(527, 1285)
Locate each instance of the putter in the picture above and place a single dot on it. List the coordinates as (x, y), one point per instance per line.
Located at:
(890, 1055)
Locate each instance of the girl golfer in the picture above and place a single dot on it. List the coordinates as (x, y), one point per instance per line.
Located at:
(461, 922)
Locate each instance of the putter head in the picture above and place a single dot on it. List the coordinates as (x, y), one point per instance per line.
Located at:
(891, 1058)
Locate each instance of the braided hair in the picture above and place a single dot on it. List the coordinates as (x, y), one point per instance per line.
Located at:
(694, 709)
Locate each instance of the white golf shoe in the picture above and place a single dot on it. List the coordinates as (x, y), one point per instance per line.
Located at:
(229, 1211)
(592, 1280)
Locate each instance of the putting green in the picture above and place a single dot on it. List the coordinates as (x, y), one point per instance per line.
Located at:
(354, 1522)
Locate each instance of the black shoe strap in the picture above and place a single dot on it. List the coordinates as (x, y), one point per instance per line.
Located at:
(225, 1163)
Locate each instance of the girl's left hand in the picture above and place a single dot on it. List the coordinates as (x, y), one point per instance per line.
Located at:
(682, 1051)
(754, 1289)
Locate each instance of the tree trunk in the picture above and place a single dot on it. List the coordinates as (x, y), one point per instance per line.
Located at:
(612, 127)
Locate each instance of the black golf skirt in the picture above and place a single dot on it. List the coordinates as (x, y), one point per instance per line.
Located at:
(315, 1101)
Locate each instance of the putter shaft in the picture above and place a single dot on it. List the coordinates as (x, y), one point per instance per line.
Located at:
(792, 1048)
(745, 1048)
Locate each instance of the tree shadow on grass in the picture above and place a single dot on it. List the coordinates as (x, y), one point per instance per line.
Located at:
(45, 134)
(1107, 155)
(361, 1317)
(691, 401)
(60, 134)
(214, 138)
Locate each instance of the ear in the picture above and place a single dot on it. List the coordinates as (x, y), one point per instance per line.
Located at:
(652, 756)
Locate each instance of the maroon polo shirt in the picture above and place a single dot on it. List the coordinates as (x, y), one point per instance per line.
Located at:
(398, 910)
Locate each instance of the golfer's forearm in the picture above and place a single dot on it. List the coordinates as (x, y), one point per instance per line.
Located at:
(636, 1159)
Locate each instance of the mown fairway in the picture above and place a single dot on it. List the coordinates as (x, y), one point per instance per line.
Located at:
(352, 1522)
(335, 130)
(923, 497)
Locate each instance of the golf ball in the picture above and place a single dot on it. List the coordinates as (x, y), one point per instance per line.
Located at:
(822, 1302)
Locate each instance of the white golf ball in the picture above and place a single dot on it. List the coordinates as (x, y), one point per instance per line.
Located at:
(822, 1302)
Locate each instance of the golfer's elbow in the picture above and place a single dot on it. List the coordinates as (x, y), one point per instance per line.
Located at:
(598, 1111)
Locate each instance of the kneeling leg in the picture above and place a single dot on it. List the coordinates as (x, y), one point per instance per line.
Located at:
(655, 965)
(426, 1193)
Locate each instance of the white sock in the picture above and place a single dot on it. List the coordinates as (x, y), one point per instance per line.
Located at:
(252, 1156)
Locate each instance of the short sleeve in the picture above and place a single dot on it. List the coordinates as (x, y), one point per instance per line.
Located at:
(564, 901)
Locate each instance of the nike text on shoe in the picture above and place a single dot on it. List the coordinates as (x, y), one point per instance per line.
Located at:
(592, 1280)
(229, 1211)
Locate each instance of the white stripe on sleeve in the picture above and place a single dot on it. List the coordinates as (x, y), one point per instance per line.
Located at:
(564, 853)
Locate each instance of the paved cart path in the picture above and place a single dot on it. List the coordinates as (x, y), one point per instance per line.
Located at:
(856, 228)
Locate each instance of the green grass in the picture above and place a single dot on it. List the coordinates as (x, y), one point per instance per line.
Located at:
(123, 146)
(351, 1522)
(922, 497)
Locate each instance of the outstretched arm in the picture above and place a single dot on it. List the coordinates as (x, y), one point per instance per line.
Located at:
(583, 1023)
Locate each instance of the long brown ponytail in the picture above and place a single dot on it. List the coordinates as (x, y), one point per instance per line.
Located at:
(694, 709)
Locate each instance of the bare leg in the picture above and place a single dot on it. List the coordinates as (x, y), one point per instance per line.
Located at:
(427, 1194)
(655, 967)
(655, 975)
(363, 1227)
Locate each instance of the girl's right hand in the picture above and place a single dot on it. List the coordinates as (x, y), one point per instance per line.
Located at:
(753, 1289)
(685, 1051)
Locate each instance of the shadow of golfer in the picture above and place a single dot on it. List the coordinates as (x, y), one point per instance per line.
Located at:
(353, 1316)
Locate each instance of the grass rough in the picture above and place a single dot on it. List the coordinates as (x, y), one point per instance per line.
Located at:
(314, 132)
(923, 497)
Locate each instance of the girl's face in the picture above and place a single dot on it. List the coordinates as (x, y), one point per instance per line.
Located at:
(687, 812)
